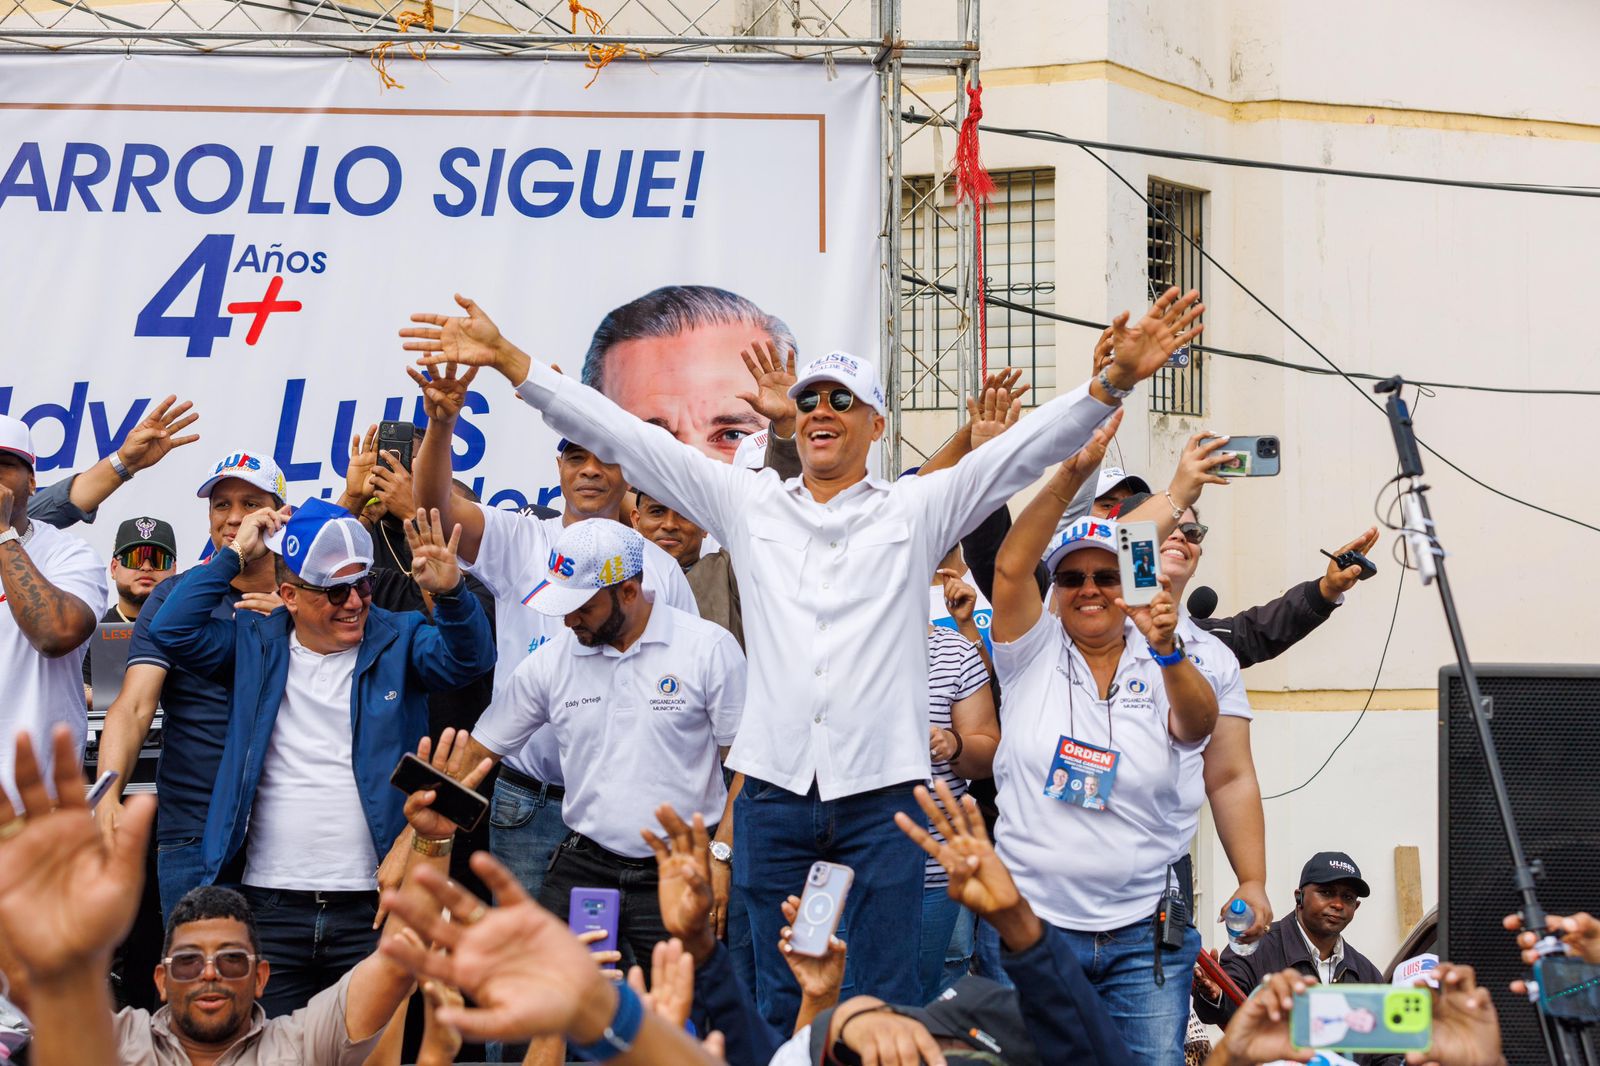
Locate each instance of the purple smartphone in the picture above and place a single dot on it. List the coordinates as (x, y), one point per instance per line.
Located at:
(821, 907)
(595, 908)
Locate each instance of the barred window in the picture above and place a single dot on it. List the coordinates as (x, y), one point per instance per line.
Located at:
(1177, 390)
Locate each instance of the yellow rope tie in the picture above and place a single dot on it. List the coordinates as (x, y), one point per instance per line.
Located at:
(405, 20)
(599, 54)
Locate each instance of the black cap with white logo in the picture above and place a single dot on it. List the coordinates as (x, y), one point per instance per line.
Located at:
(1326, 867)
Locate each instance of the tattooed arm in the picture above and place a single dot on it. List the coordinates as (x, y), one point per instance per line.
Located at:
(55, 622)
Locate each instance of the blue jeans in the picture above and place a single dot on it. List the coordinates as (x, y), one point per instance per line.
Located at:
(1120, 965)
(958, 953)
(939, 916)
(311, 939)
(986, 961)
(525, 828)
(779, 835)
(179, 868)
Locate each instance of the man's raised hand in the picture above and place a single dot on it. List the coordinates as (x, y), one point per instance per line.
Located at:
(773, 373)
(433, 558)
(979, 881)
(992, 412)
(1339, 580)
(444, 391)
(150, 441)
(685, 893)
(1138, 351)
(470, 340)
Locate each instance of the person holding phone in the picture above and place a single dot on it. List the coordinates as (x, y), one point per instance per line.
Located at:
(327, 693)
(1114, 696)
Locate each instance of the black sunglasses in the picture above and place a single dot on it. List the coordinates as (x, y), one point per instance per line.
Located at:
(135, 557)
(840, 400)
(337, 594)
(1075, 579)
(231, 963)
(1193, 532)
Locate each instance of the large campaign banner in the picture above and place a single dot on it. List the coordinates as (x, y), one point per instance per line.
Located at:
(251, 234)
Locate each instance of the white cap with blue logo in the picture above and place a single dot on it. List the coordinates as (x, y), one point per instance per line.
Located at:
(319, 540)
(256, 469)
(1084, 533)
(858, 375)
(588, 556)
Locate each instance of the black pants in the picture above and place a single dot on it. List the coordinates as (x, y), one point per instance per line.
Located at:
(581, 863)
(311, 939)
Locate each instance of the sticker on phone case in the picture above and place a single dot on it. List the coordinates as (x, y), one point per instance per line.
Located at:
(1082, 774)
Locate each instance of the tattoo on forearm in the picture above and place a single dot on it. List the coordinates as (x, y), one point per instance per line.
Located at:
(47, 616)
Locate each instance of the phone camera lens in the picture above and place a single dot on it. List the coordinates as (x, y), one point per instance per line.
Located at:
(1267, 447)
(818, 875)
(1397, 1019)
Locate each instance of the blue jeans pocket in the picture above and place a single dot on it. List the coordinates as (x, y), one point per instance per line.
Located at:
(165, 847)
(512, 807)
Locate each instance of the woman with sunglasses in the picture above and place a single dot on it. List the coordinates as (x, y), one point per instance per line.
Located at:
(1108, 693)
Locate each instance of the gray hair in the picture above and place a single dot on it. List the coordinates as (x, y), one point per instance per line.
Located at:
(671, 310)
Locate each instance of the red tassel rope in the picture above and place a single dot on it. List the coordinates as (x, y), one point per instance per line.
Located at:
(973, 182)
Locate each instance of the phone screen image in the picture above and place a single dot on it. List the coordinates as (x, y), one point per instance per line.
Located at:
(1144, 564)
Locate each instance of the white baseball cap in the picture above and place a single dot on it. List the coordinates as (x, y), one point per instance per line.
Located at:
(858, 375)
(257, 469)
(319, 540)
(1112, 476)
(1084, 533)
(588, 556)
(16, 438)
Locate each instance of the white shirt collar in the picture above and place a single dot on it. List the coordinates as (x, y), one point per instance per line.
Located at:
(1328, 966)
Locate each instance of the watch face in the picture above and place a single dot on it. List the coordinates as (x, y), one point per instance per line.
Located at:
(721, 852)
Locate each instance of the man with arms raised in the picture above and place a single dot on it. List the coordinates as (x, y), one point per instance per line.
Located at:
(834, 566)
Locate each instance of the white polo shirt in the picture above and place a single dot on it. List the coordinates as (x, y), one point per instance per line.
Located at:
(513, 558)
(41, 692)
(1084, 870)
(635, 728)
(834, 594)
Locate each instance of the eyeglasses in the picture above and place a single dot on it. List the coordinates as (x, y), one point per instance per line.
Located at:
(1193, 532)
(1075, 579)
(231, 964)
(337, 594)
(136, 557)
(840, 400)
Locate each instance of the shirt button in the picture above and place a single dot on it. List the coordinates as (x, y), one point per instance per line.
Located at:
(818, 671)
(827, 584)
(833, 544)
(818, 719)
(822, 625)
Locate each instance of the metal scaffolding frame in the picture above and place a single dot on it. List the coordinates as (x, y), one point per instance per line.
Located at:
(830, 32)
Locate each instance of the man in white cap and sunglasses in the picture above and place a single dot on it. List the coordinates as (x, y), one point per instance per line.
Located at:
(52, 587)
(644, 700)
(328, 692)
(833, 569)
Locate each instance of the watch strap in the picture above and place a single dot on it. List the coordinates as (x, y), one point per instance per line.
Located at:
(1111, 390)
(9, 535)
(619, 1036)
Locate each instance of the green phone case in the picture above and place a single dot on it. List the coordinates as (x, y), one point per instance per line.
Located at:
(1362, 1018)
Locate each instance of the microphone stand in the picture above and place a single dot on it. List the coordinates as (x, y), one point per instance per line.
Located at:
(1563, 1043)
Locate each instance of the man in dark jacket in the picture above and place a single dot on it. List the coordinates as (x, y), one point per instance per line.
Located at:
(328, 692)
(1310, 940)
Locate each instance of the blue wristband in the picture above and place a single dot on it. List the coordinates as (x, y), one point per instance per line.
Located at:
(619, 1036)
(1167, 660)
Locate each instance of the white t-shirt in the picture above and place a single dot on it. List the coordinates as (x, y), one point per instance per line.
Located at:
(636, 728)
(307, 828)
(513, 558)
(1098, 870)
(41, 692)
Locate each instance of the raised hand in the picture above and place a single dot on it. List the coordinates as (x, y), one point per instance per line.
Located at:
(1339, 580)
(251, 540)
(433, 558)
(1580, 932)
(444, 393)
(151, 440)
(1259, 1029)
(960, 598)
(671, 991)
(391, 484)
(1159, 621)
(1466, 1029)
(1007, 379)
(1138, 351)
(685, 893)
(358, 470)
(473, 340)
(991, 414)
(773, 373)
(1102, 347)
(450, 760)
(8, 504)
(979, 881)
(819, 979)
(67, 896)
(526, 973)
(1197, 468)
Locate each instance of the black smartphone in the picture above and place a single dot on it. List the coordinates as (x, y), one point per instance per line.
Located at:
(452, 799)
(396, 437)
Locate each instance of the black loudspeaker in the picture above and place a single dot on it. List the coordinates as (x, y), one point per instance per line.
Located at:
(1546, 726)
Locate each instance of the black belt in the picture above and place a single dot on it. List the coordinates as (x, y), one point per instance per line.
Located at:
(510, 775)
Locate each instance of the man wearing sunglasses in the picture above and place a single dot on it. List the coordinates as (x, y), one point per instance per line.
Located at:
(833, 576)
(145, 555)
(327, 694)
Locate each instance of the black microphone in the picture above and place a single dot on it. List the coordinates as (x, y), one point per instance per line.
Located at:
(1202, 602)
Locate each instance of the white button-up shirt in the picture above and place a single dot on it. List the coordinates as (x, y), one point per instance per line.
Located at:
(636, 728)
(835, 607)
(513, 558)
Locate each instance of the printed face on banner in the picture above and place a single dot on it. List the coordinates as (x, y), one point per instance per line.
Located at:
(251, 233)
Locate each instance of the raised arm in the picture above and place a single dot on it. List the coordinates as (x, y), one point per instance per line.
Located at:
(444, 393)
(1017, 600)
(51, 619)
(675, 473)
(148, 443)
(459, 647)
(983, 423)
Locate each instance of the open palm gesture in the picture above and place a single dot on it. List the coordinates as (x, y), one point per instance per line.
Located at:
(1141, 349)
(979, 881)
(473, 340)
(433, 558)
(773, 373)
(444, 393)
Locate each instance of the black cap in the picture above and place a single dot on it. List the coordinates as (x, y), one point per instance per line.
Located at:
(138, 532)
(1326, 867)
(976, 1011)
(1128, 504)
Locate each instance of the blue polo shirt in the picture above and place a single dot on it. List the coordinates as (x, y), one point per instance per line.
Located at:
(194, 725)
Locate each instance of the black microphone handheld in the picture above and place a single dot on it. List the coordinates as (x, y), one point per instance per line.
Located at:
(1202, 602)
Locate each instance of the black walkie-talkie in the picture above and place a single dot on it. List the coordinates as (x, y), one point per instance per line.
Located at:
(1172, 919)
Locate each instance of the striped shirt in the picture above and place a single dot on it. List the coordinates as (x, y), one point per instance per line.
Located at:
(955, 671)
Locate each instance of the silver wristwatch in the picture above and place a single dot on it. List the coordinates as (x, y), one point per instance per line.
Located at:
(723, 853)
(1111, 390)
(9, 535)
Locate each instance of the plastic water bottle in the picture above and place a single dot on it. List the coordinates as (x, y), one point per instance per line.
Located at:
(1240, 917)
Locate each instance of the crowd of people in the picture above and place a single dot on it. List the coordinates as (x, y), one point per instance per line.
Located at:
(724, 666)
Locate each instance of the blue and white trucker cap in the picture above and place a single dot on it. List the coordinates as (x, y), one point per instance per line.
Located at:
(588, 556)
(254, 468)
(1084, 533)
(319, 540)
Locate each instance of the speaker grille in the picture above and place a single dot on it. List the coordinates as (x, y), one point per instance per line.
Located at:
(1546, 727)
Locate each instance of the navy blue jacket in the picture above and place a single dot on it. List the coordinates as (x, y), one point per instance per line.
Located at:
(1063, 1012)
(402, 659)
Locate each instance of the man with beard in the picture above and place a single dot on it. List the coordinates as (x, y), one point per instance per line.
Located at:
(145, 555)
(643, 699)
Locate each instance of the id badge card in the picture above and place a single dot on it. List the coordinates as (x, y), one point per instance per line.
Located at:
(1082, 775)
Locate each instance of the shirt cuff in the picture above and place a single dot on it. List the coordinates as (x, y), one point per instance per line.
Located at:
(1321, 607)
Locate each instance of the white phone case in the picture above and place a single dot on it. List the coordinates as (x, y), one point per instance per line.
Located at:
(1139, 556)
(821, 906)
